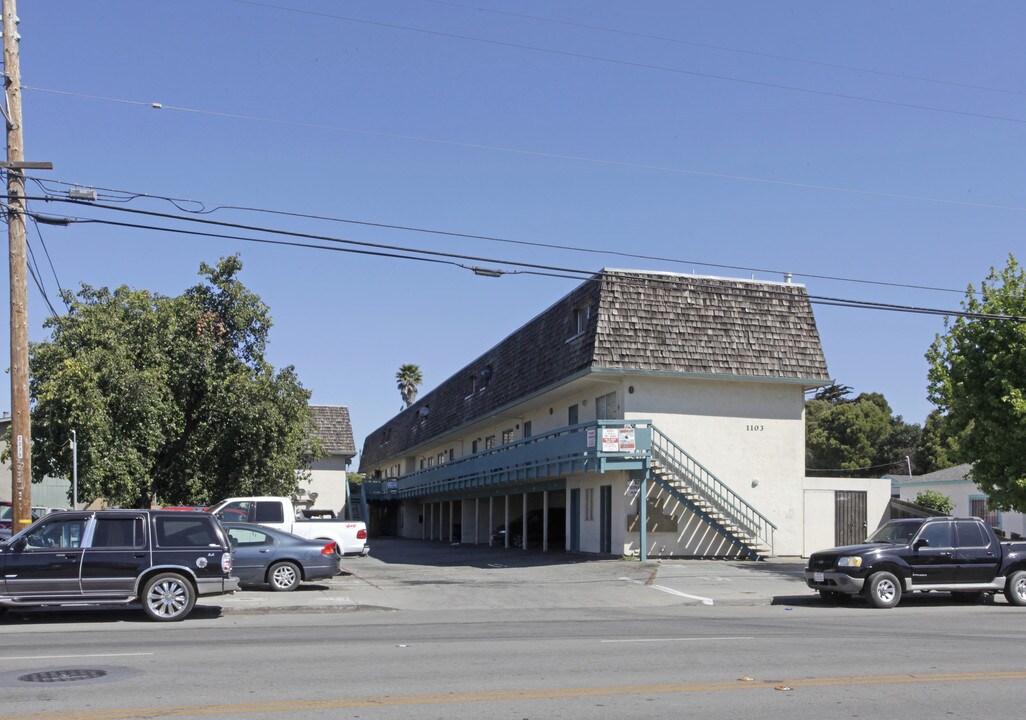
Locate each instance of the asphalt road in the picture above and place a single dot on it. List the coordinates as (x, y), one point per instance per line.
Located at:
(797, 659)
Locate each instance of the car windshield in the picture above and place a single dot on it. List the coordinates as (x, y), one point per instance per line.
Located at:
(897, 532)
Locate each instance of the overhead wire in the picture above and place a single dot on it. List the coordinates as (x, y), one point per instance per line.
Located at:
(541, 154)
(725, 48)
(41, 183)
(641, 65)
(527, 268)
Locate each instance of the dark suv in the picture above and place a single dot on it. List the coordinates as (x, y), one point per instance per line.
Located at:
(164, 559)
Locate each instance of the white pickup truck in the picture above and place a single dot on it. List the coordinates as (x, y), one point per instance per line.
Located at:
(349, 536)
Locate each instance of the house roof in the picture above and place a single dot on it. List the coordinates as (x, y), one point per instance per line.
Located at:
(637, 321)
(954, 473)
(332, 426)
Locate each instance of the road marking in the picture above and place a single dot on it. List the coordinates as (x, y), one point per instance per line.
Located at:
(671, 591)
(687, 639)
(293, 706)
(70, 657)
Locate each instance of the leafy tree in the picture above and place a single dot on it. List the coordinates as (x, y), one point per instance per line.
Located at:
(171, 397)
(857, 437)
(978, 379)
(407, 379)
(935, 501)
(939, 447)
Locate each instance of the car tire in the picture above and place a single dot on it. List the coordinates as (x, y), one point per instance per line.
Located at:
(967, 598)
(284, 576)
(168, 597)
(833, 597)
(883, 590)
(1015, 588)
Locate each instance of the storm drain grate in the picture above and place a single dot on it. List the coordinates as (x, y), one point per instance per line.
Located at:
(63, 675)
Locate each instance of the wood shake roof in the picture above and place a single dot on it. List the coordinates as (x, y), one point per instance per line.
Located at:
(637, 321)
(332, 426)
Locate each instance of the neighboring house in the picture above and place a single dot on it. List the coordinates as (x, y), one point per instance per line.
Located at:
(645, 413)
(327, 487)
(969, 501)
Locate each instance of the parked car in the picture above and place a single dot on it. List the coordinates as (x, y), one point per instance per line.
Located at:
(350, 536)
(535, 526)
(962, 556)
(115, 557)
(7, 514)
(265, 556)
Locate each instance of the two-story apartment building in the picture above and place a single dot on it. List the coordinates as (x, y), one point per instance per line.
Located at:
(645, 413)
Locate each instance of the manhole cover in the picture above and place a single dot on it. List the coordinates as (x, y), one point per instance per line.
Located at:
(63, 675)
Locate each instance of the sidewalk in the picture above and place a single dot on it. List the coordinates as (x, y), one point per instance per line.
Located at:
(419, 575)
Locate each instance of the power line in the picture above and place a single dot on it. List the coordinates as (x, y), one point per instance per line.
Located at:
(641, 65)
(530, 268)
(724, 48)
(177, 202)
(538, 153)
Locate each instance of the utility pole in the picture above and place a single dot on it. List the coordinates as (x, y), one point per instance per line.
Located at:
(21, 431)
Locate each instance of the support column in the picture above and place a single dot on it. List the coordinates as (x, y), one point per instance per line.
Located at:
(545, 520)
(523, 525)
(477, 520)
(643, 515)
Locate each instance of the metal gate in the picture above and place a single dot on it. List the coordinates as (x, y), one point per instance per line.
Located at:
(849, 517)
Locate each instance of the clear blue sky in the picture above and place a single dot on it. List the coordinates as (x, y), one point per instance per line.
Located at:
(678, 129)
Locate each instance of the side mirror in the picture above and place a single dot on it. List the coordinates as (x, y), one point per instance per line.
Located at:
(921, 543)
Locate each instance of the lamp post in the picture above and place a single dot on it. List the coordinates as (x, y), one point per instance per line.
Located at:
(74, 470)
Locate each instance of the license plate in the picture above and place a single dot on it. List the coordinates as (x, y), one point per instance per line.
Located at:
(817, 577)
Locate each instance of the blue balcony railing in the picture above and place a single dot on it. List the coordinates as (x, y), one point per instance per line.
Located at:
(600, 446)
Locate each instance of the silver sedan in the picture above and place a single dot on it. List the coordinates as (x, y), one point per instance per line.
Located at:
(264, 556)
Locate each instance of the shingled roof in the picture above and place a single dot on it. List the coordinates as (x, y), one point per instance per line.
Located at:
(662, 323)
(331, 423)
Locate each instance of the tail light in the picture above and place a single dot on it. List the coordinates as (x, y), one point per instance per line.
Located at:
(328, 549)
(361, 534)
(226, 562)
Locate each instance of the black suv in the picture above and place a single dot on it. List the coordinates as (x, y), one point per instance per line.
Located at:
(164, 559)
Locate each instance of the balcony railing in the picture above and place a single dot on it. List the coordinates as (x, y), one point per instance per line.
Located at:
(600, 446)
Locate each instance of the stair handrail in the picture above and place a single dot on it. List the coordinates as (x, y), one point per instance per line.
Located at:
(714, 490)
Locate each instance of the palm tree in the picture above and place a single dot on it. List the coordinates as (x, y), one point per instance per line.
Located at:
(407, 380)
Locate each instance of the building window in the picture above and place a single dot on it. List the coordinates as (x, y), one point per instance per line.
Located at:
(452, 454)
(606, 407)
(473, 447)
(507, 436)
(572, 415)
(527, 428)
(489, 442)
(589, 503)
(581, 317)
(978, 508)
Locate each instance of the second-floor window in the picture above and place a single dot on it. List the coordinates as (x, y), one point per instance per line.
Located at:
(572, 415)
(606, 407)
(507, 436)
(527, 428)
(489, 442)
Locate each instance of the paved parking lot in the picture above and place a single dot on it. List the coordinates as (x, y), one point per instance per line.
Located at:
(419, 575)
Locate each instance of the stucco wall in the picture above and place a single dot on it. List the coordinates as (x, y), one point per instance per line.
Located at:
(819, 512)
(751, 435)
(960, 492)
(328, 480)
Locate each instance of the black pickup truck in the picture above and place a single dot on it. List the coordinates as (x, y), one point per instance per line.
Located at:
(962, 556)
(163, 559)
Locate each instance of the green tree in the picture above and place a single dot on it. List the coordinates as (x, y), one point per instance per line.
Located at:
(171, 397)
(855, 436)
(939, 447)
(978, 379)
(407, 379)
(935, 501)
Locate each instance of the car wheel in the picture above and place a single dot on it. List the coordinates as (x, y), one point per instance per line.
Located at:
(967, 598)
(883, 590)
(834, 597)
(168, 597)
(284, 576)
(1015, 588)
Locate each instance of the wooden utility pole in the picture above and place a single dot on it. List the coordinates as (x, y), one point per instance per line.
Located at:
(21, 431)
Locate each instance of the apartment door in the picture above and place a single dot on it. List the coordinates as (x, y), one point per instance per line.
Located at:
(850, 517)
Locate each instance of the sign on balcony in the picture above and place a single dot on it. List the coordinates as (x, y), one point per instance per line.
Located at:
(618, 439)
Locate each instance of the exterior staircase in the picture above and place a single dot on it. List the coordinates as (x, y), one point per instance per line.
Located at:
(707, 496)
